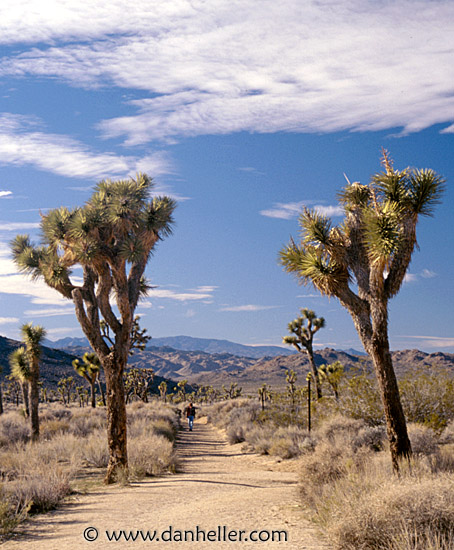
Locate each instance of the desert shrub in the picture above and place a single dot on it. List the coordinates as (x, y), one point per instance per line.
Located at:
(10, 514)
(86, 421)
(359, 398)
(261, 438)
(39, 491)
(236, 433)
(428, 397)
(291, 442)
(447, 435)
(394, 514)
(423, 440)
(94, 450)
(151, 455)
(13, 429)
(50, 428)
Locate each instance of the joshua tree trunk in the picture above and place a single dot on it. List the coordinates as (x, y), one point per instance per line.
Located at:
(25, 395)
(374, 337)
(93, 395)
(116, 417)
(101, 390)
(34, 401)
(314, 371)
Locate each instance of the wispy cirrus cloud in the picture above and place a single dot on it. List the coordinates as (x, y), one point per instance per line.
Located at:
(435, 342)
(224, 66)
(201, 293)
(65, 156)
(247, 307)
(50, 312)
(425, 274)
(8, 320)
(289, 210)
(18, 226)
(5, 194)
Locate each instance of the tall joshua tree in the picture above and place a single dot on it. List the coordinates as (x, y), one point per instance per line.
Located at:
(302, 338)
(111, 237)
(363, 263)
(32, 337)
(89, 369)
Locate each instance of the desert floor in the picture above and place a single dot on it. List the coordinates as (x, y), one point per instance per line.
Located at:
(218, 486)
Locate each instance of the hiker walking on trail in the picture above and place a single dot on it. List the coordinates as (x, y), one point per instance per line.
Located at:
(190, 413)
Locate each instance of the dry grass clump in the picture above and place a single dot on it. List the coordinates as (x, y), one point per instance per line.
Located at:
(361, 505)
(394, 514)
(424, 441)
(151, 455)
(13, 429)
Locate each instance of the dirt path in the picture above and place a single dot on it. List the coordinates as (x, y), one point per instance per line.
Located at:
(219, 487)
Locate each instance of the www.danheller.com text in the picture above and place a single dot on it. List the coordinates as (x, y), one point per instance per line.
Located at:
(221, 533)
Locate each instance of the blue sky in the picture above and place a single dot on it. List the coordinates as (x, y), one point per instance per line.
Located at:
(243, 111)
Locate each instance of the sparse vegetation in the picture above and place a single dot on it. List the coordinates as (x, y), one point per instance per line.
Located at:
(36, 476)
(347, 484)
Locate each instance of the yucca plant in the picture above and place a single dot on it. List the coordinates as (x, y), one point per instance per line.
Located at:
(89, 369)
(363, 262)
(20, 371)
(303, 329)
(32, 337)
(111, 238)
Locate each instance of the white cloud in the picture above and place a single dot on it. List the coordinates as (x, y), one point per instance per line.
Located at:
(201, 293)
(284, 211)
(68, 157)
(18, 226)
(428, 274)
(287, 211)
(248, 307)
(226, 66)
(7, 320)
(49, 312)
(410, 278)
(435, 342)
(4, 194)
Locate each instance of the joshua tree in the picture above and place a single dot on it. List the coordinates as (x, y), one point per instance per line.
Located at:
(89, 369)
(32, 338)
(111, 237)
(20, 371)
(264, 394)
(363, 263)
(181, 388)
(137, 382)
(332, 374)
(13, 389)
(163, 390)
(233, 392)
(303, 336)
(290, 378)
(65, 388)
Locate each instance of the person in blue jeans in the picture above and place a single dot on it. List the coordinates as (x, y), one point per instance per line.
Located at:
(190, 413)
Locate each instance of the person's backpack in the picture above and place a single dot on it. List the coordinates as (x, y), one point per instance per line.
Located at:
(192, 411)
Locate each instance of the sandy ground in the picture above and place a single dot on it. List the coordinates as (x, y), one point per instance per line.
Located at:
(220, 492)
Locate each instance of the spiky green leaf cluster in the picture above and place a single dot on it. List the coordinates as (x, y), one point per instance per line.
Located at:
(20, 368)
(378, 232)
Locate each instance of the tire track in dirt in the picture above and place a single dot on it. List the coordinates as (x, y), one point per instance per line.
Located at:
(218, 486)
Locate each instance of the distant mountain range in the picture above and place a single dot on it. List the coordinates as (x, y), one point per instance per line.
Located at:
(188, 343)
(223, 367)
